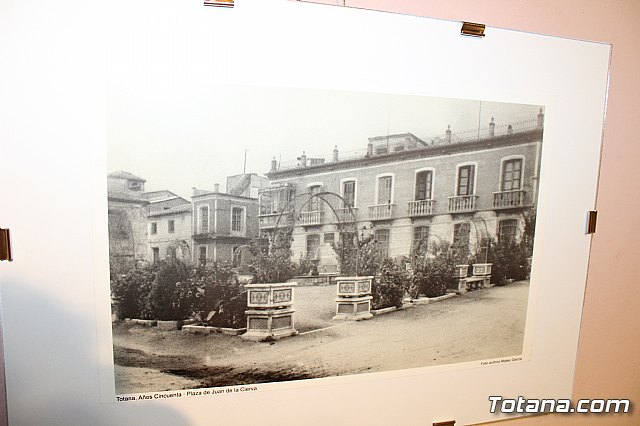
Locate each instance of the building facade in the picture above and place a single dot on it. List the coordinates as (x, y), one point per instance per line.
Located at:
(246, 185)
(407, 192)
(127, 210)
(158, 225)
(169, 234)
(168, 227)
(223, 226)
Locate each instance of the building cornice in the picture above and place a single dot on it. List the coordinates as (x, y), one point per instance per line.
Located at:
(426, 152)
(221, 195)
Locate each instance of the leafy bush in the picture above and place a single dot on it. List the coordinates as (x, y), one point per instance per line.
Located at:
(358, 256)
(508, 258)
(130, 292)
(509, 262)
(231, 312)
(306, 267)
(434, 270)
(274, 265)
(170, 290)
(222, 300)
(172, 295)
(390, 285)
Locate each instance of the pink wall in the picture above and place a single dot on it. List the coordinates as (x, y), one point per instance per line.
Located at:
(608, 364)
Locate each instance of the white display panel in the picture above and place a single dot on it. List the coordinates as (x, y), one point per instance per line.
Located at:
(55, 337)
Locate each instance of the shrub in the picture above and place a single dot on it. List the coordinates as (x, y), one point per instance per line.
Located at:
(434, 270)
(130, 292)
(358, 256)
(509, 259)
(231, 312)
(306, 267)
(274, 265)
(172, 295)
(218, 300)
(390, 285)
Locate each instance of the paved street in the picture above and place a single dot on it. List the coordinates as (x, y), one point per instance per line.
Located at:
(484, 324)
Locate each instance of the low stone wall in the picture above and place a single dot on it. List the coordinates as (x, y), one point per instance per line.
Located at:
(148, 323)
(410, 303)
(162, 325)
(205, 329)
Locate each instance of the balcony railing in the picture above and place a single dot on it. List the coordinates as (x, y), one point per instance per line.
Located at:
(420, 207)
(381, 211)
(202, 235)
(315, 217)
(268, 221)
(509, 199)
(462, 203)
(345, 216)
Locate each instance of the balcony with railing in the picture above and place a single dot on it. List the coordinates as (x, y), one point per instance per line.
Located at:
(315, 217)
(381, 212)
(463, 203)
(268, 221)
(509, 199)
(345, 216)
(420, 207)
(203, 235)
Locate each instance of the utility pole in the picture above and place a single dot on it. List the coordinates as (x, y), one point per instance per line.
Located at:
(244, 168)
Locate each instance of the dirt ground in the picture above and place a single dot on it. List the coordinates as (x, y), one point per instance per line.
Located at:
(483, 324)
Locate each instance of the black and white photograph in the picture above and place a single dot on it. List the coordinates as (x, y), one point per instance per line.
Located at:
(271, 234)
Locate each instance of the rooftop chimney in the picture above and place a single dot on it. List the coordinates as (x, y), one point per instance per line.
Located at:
(335, 153)
(274, 165)
(369, 149)
(540, 119)
(216, 187)
(447, 137)
(492, 128)
(303, 159)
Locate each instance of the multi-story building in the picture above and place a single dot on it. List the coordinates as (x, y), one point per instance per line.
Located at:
(406, 191)
(163, 200)
(223, 226)
(127, 219)
(168, 226)
(246, 184)
(152, 226)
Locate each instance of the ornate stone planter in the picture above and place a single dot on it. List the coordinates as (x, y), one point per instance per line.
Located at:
(460, 275)
(354, 298)
(483, 270)
(462, 271)
(270, 313)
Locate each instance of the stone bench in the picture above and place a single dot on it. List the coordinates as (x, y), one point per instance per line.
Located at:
(474, 283)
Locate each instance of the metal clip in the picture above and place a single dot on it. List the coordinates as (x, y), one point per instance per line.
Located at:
(5, 245)
(472, 29)
(592, 217)
(219, 3)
